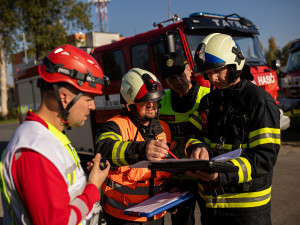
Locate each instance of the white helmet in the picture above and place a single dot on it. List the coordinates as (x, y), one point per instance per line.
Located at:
(140, 86)
(217, 50)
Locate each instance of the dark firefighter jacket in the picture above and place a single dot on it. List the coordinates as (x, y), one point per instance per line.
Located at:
(126, 186)
(248, 118)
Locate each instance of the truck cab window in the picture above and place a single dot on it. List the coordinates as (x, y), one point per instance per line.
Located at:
(114, 65)
(158, 52)
(178, 45)
(140, 56)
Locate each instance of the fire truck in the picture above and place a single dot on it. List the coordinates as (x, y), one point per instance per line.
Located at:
(145, 50)
(290, 80)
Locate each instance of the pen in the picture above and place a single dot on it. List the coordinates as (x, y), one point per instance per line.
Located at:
(174, 156)
(172, 147)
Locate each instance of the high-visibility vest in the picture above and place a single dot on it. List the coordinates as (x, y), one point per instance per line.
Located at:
(177, 121)
(126, 186)
(46, 143)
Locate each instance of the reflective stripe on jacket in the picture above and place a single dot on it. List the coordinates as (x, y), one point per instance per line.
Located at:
(248, 190)
(177, 121)
(126, 186)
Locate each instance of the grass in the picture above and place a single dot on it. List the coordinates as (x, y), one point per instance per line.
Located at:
(9, 121)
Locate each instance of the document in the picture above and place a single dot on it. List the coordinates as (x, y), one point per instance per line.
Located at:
(158, 204)
(227, 156)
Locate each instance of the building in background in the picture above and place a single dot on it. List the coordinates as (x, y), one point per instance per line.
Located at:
(84, 41)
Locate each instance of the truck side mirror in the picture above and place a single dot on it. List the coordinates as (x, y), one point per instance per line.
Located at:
(275, 64)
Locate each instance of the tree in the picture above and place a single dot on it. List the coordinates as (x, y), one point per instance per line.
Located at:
(46, 23)
(272, 53)
(9, 22)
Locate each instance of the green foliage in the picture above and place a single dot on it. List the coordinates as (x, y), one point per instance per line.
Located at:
(9, 23)
(272, 53)
(12, 114)
(47, 23)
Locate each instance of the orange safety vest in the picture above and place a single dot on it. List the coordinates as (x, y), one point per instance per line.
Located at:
(126, 186)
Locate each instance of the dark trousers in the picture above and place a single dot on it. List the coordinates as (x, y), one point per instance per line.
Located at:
(259, 219)
(185, 212)
(110, 220)
(208, 217)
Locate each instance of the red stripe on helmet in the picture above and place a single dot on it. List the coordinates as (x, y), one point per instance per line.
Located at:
(142, 92)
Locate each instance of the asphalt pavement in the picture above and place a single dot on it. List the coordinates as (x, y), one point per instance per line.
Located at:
(286, 180)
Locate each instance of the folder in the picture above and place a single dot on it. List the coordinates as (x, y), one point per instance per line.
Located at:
(216, 164)
(157, 204)
(181, 166)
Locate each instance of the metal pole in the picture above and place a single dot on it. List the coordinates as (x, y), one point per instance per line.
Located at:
(25, 48)
(169, 7)
(101, 16)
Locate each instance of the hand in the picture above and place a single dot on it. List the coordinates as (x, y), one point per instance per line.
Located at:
(175, 189)
(200, 153)
(173, 210)
(156, 150)
(204, 176)
(98, 176)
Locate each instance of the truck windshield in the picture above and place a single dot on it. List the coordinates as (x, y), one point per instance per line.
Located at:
(249, 45)
(293, 61)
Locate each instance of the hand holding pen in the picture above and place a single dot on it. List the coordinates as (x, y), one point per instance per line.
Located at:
(172, 148)
(156, 150)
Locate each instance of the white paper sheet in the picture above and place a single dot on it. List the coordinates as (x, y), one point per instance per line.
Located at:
(158, 201)
(227, 156)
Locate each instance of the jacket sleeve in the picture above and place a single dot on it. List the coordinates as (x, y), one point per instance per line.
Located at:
(260, 154)
(117, 151)
(44, 191)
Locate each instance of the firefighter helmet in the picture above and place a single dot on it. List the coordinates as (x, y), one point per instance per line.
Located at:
(74, 66)
(140, 86)
(217, 50)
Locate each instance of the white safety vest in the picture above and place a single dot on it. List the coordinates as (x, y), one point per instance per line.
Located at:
(35, 136)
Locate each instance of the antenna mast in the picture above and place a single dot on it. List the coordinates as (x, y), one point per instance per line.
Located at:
(101, 8)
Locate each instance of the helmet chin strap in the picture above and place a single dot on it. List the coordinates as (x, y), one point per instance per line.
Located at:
(65, 111)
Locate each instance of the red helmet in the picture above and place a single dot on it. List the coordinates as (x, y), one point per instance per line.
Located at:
(74, 66)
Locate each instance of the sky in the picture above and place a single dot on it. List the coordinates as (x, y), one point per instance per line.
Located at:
(277, 18)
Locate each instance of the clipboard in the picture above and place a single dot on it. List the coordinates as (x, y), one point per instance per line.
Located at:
(158, 204)
(178, 166)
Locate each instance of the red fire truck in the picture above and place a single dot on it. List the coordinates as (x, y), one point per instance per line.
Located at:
(145, 51)
(290, 80)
